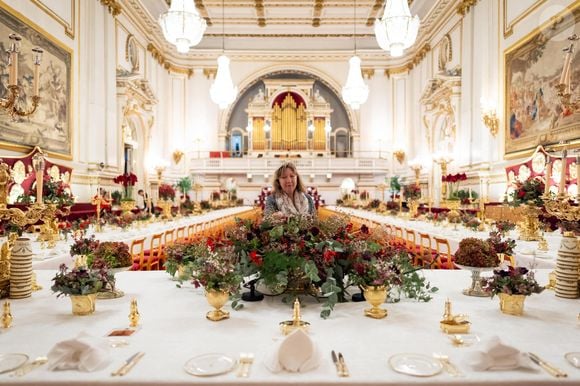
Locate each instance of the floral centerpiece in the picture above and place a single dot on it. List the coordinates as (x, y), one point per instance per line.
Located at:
(303, 255)
(79, 281)
(504, 226)
(528, 192)
(182, 255)
(53, 192)
(83, 245)
(111, 254)
(500, 244)
(473, 252)
(475, 255)
(453, 181)
(412, 192)
(512, 285)
(127, 180)
(166, 192)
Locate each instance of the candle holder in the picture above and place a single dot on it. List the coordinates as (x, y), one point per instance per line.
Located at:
(288, 326)
(454, 324)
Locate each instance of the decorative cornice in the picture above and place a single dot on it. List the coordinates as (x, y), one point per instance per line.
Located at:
(368, 73)
(157, 55)
(463, 7)
(203, 12)
(113, 6)
(374, 14)
(415, 60)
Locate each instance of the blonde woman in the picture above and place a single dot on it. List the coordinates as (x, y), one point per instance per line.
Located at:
(289, 197)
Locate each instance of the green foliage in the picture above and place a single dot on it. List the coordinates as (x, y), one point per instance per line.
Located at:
(80, 281)
(184, 184)
(395, 184)
(116, 197)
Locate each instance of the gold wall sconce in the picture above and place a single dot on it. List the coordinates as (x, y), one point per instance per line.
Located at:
(10, 103)
(399, 155)
(416, 167)
(491, 121)
(177, 156)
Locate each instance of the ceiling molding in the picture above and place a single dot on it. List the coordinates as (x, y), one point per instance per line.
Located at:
(158, 56)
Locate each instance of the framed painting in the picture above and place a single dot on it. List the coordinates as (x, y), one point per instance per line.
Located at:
(533, 67)
(50, 127)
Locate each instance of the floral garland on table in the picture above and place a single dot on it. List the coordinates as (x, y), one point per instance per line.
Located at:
(127, 180)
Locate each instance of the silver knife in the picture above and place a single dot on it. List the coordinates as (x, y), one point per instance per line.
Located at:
(550, 369)
(127, 363)
(337, 364)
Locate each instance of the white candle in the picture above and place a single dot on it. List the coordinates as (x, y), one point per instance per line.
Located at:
(39, 180)
(469, 193)
(548, 176)
(13, 73)
(562, 187)
(36, 81)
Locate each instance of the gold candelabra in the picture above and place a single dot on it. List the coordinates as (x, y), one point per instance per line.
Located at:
(10, 102)
(564, 85)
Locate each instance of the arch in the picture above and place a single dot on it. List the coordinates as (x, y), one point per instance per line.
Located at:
(314, 73)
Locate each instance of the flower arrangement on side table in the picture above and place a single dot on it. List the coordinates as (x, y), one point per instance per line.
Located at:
(412, 192)
(166, 192)
(512, 285)
(529, 194)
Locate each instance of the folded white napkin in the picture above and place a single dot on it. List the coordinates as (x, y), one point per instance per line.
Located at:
(296, 353)
(497, 356)
(84, 353)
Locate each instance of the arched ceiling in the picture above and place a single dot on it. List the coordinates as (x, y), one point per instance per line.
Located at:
(282, 26)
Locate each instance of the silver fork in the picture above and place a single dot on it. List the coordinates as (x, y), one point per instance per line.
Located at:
(447, 365)
(28, 367)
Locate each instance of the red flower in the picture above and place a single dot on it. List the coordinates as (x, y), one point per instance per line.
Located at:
(329, 256)
(256, 259)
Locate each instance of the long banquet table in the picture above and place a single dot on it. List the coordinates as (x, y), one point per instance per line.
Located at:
(52, 258)
(526, 252)
(174, 329)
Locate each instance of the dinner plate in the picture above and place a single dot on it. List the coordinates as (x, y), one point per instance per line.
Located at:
(207, 365)
(11, 361)
(573, 358)
(417, 365)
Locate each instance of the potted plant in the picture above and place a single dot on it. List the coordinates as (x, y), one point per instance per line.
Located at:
(127, 180)
(166, 197)
(113, 254)
(82, 285)
(512, 285)
(475, 255)
(504, 226)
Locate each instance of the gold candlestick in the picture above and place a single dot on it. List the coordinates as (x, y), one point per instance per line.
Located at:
(35, 286)
(454, 324)
(6, 316)
(288, 326)
(134, 315)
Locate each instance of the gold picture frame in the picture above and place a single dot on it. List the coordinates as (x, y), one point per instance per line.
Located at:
(50, 127)
(533, 114)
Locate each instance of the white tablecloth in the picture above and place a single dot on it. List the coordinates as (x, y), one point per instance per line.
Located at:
(52, 258)
(174, 329)
(526, 252)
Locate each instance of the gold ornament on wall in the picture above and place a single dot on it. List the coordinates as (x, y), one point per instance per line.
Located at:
(177, 156)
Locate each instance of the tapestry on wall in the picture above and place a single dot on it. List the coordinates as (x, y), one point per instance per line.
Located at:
(50, 126)
(533, 67)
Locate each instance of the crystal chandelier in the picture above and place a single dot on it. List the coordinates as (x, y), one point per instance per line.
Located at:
(222, 91)
(397, 30)
(355, 92)
(182, 25)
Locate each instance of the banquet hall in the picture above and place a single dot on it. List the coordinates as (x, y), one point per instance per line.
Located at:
(443, 131)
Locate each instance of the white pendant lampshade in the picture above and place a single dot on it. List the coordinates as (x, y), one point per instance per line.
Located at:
(355, 92)
(396, 30)
(222, 91)
(182, 25)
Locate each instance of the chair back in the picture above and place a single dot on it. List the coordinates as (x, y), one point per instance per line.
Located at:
(137, 250)
(444, 253)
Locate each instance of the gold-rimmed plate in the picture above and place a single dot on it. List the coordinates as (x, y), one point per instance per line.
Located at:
(208, 365)
(417, 365)
(11, 361)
